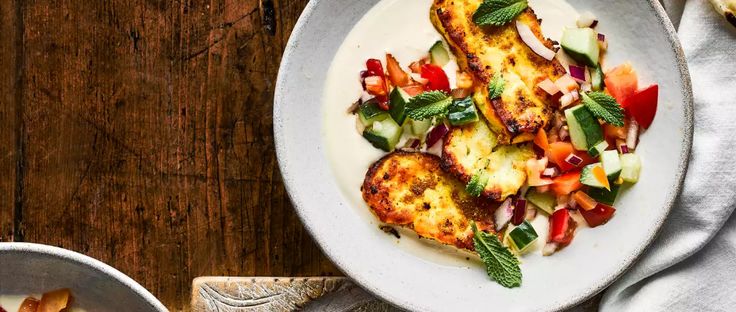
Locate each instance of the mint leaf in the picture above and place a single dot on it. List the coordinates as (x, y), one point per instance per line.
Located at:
(495, 88)
(477, 183)
(604, 107)
(501, 264)
(498, 12)
(428, 104)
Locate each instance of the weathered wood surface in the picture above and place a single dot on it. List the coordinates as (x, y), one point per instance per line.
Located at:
(139, 133)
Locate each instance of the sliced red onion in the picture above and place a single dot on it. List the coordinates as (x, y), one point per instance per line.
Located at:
(577, 72)
(549, 87)
(519, 212)
(437, 133)
(503, 214)
(566, 100)
(566, 84)
(564, 133)
(572, 203)
(632, 134)
(533, 42)
(550, 172)
(531, 212)
(575, 95)
(412, 144)
(549, 249)
(594, 24)
(586, 20)
(586, 87)
(574, 160)
(601, 37)
(622, 147)
(602, 42)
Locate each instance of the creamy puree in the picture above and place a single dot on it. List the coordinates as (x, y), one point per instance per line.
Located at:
(402, 28)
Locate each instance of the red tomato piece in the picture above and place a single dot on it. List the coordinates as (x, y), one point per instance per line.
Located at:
(566, 183)
(558, 152)
(437, 78)
(374, 67)
(621, 82)
(598, 215)
(562, 227)
(642, 105)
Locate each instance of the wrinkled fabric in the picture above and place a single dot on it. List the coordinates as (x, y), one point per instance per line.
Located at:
(691, 266)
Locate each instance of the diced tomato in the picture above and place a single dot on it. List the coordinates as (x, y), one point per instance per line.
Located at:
(541, 140)
(375, 85)
(566, 183)
(413, 90)
(437, 78)
(621, 82)
(374, 67)
(642, 105)
(612, 132)
(558, 151)
(598, 215)
(561, 227)
(584, 201)
(397, 75)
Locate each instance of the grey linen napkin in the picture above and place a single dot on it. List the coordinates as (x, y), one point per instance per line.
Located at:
(691, 266)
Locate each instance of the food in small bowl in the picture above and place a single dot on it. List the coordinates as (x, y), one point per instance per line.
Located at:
(65, 281)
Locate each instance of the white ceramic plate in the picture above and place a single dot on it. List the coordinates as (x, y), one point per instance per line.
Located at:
(405, 272)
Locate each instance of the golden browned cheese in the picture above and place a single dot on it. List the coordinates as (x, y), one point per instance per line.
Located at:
(473, 147)
(487, 50)
(410, 189)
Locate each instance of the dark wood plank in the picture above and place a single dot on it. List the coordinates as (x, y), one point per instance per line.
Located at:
(149, 139)
(8, 139)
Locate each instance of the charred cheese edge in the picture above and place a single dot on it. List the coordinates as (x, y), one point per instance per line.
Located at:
(410, 189)
(473, 147)
(484, 51)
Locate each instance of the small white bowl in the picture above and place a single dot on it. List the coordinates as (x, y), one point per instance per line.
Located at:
(27, 269)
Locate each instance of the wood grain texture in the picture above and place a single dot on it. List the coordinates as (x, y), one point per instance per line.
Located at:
(145, 138)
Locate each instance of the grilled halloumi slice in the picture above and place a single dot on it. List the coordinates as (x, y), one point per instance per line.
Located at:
(474, 147)
(485, 51)
(410, 189)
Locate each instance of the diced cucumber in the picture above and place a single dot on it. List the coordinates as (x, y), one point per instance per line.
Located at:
(598, 148)
(462, 112)
(438, 54)
(545, 201)
(369, 112)
(383, 134)
(582, 45)
(605, 196)
(522, 236)
(611, 164)
(587, 176)
(596, 77)
(585, 131)
(630, 167)
(398, 99)
(420, 127)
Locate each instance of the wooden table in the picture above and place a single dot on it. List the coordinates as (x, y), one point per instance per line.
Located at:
(139, 132)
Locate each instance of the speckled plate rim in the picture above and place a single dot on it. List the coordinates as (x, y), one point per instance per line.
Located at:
(674, 190)
(86, 261)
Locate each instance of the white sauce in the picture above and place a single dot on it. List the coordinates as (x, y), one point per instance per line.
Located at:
(402, 28)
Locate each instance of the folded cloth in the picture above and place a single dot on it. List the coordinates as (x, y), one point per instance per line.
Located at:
(691, 266)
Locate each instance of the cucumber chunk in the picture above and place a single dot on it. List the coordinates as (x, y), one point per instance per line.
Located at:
(438, 54)
(383, 134)
(630, 167)
(398, 99)
(598, 148)
(587, 176)
(462, 112)
(603, 195)
(582, 45)
(420, 127)
(369, 112)
(523, 236)
(544, 201)
(585, 131)
(597, 79)
(611, 164)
